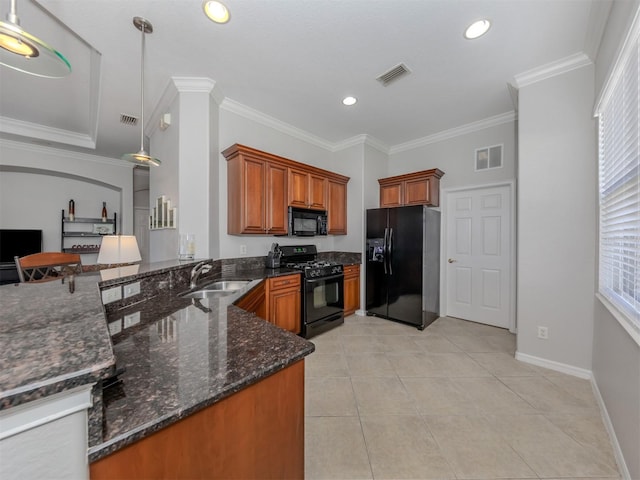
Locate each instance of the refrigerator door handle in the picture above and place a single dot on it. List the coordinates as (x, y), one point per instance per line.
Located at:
(389, 250)
(384, 251)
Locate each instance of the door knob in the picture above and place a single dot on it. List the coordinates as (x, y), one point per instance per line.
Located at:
(451, 260)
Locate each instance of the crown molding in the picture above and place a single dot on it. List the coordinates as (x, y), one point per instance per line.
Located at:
(455, 132)
(264, 119)
(363, 139)
(67, 154)
(177, 85)
(193, 84)
(552, 69)
(42, 132)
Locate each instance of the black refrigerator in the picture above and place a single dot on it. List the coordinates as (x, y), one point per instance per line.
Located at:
(403, 264)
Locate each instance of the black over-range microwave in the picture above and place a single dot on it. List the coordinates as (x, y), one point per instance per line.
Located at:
(305, 222)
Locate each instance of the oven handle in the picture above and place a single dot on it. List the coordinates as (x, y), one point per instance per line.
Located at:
(323, 279)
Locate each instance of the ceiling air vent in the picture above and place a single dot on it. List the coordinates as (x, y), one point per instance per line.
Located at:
(128, 119)
(393, 74)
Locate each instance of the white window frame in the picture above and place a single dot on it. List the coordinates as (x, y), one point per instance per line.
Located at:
(618, 109)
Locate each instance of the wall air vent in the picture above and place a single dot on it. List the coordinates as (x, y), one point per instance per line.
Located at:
(393, 74)
(487, 158)
(128, 119)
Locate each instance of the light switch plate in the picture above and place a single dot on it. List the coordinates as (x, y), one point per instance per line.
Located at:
(131, 320)
(131, 289)
(111, 295)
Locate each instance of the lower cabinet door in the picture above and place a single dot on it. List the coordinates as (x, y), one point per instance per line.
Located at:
(284, 309)
(351, 289)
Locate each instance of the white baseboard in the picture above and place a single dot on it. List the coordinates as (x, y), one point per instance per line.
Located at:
(587, 375)
(557, 366)
(617, 451)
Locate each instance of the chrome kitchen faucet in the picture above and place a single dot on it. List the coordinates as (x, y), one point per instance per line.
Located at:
(199, 269)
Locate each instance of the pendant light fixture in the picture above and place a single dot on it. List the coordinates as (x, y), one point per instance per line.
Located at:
(26, 53)
(142, 157)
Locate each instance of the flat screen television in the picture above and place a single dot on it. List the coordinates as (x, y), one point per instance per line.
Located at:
(19, 243)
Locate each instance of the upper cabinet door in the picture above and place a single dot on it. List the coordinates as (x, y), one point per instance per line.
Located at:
(391, 195)
(298, 188)
(317, 192)
(417, 192)
(337, 208)
(251, 202)
(276, 199)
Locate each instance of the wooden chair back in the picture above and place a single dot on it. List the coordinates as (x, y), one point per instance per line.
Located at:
(47, 266)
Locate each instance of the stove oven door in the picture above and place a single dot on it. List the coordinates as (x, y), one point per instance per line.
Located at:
(323, 297)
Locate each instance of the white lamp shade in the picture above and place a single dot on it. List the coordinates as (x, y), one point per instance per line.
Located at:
(117, 249)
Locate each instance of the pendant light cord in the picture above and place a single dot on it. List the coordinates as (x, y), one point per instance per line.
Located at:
(12, 16)
(142, 30)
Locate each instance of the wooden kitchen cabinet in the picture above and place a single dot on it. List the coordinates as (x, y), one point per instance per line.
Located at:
(337, 207)
(257, 432)
(255, 301)
(351, 289)
(277, 300)
(307, 189)
(260, 187)
(284, 302)
(418, 188)
(256, 194)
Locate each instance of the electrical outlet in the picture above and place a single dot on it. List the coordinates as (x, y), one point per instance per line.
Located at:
(543, 333)
(131, 289)
(243, 249)
(131, 320)
(111, 295)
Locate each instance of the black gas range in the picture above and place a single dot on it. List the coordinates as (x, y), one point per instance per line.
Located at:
(322, 288)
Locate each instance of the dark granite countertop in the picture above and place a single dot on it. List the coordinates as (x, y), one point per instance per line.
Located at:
(179, 355)
(51, 340)
(182, 355)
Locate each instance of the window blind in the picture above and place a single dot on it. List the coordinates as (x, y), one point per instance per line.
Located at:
(619, 188)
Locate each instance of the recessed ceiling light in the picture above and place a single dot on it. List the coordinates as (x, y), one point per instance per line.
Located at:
(349, 101)
(216, 11)
(477, 29)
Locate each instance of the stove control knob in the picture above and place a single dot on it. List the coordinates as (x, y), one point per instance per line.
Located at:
(337, 269)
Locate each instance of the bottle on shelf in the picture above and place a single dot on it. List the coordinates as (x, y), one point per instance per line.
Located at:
(104, 211)
(72, 210)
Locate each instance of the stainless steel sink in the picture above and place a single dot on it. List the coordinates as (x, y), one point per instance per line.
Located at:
(217, 289)
(227, 285)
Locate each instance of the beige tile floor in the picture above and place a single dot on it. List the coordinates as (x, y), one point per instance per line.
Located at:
(386, 401)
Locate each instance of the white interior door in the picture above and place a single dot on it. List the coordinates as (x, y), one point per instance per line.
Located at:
(478, 250)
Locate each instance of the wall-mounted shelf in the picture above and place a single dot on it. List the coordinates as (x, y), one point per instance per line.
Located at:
(85, 227)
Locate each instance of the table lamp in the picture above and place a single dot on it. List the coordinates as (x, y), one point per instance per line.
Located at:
(120, 250)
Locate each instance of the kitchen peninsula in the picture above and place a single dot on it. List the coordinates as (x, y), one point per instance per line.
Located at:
(200, 385)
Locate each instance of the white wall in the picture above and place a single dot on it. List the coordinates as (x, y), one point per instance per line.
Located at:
(184, 175)
(36, 184)
(456, 157)
(351, 163)
(163, 180)
(556, 218)
(616, 356)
